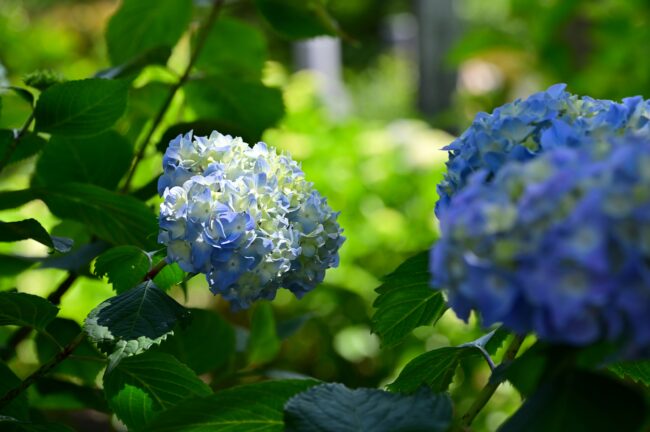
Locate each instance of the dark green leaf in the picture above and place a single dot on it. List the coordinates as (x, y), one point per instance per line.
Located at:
(64, 331)
(206, 344)
(637, 371)
(18, 408)
(169, 276)
(140, 387)
(26, 310)
(142, 107)
(12, 199)
(241, 108)
(234, 48)
(53, 394)
(333, 407)
(579, 401)
(76, 260)
(130, 323)
(28, 145)
(23, 93)
(263, 343)
(125, 266)
(406, 301)
(101, 160)
(252, 407)
(154, 56)
(81, 108)
(11, 265)
(297, 19)
(31, 229)
(10, 424)
(42, 79)
(139, 25)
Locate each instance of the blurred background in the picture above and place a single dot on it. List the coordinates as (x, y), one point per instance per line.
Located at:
(367, 117)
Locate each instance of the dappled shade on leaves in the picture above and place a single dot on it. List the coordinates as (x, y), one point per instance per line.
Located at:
(297, 19)
(26, 310)
(124, 266)
(31, 229)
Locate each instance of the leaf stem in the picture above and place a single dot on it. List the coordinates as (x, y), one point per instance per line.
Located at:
(155, 270)
(200, 43)
(42, 371)
(492, 385)
(14, 143)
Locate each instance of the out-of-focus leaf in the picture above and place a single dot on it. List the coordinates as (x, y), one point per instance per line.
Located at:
(23, 93)
(31, 229)
(140, 387)
(16, 198)
(241, 108)
(28, 145)
(334, 407)
(11, 424)
(81, 108)
(43, 79)
(154, 56)
(406, 301)
(26, 310)
(169, 276)
(298, 19)
(53, 394)
(239, 409)
(18, 408)
(206, 344)
(101, 160)
(131, 322)
(139, 25)
(64, 331)
(124, 266)
(637, 371)
(233, 48)
(76, 260)
(263, 342)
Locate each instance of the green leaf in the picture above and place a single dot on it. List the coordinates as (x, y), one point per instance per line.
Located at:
(10, 424)
(334, 407)
(52, 394)
(131, 322)
(31, 229)
(125, 266)
(406, 301)
(234, 48)
(28, 145)
(436, 368)
(23, 93)
(18, 408)
(580, 401)
(154, 56)
(240, 108)
(101, 160)
(64, 331)
(190, 345)
(169, 276)
(28, 310)
(263, 342)
(637, 371)
(140, 387)
(252, 407)
(139, 25)
(81, 108)
(297, 19)
(12, 199)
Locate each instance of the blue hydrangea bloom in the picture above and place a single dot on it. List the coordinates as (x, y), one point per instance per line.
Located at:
(520, 130)
(558, 245)
(245, 217)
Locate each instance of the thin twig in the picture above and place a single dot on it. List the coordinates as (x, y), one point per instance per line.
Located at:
(200, 43)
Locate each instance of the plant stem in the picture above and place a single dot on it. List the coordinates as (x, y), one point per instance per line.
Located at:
(491, 386)
(14, 143)
(42, 371)
(200, 43)
(154, 270)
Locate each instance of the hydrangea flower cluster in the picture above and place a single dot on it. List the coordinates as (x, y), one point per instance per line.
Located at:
(520, 130)
(245, 217)
(559, 245)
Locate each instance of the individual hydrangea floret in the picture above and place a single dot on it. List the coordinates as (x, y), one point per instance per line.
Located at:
(245, 217)
(559, 245)
(520, 130)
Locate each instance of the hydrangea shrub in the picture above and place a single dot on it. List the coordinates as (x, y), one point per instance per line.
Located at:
(246, 217)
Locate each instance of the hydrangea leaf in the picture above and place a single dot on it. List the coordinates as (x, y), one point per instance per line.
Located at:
(28, 145)
(81, 108)
(131, 322)
(330, 407)
(31, 229)
(205, 344)
(64, 331)
(637, 371)
(263, 342)
(101, 160)
(62, 395)
(23, 93)
(169, 276)
(239, 409)
(580, 401)
(140, 387)
(23, 309)
(124, 266)
(297, 19)
(18, 408)
(406, 301)
(155, 56)
(15, 425)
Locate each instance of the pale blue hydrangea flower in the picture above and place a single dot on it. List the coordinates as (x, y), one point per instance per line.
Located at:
(245, 217)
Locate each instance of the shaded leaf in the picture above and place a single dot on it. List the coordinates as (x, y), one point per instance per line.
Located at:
(18, 408)
(297, 19)
(26, 310)
(406, 301)
(336, 408)
(139, 25)
(81, 108)
(53, 394)
(130, 69)
(142, 386)
(101, 160)
(263, 342)
(23, 93)
(10, 424)
(169, 276)
(131, 322)
(76, 260)
(31, 229)
(125, 266)
(28, 145)
(245, 408)
(637, 371)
